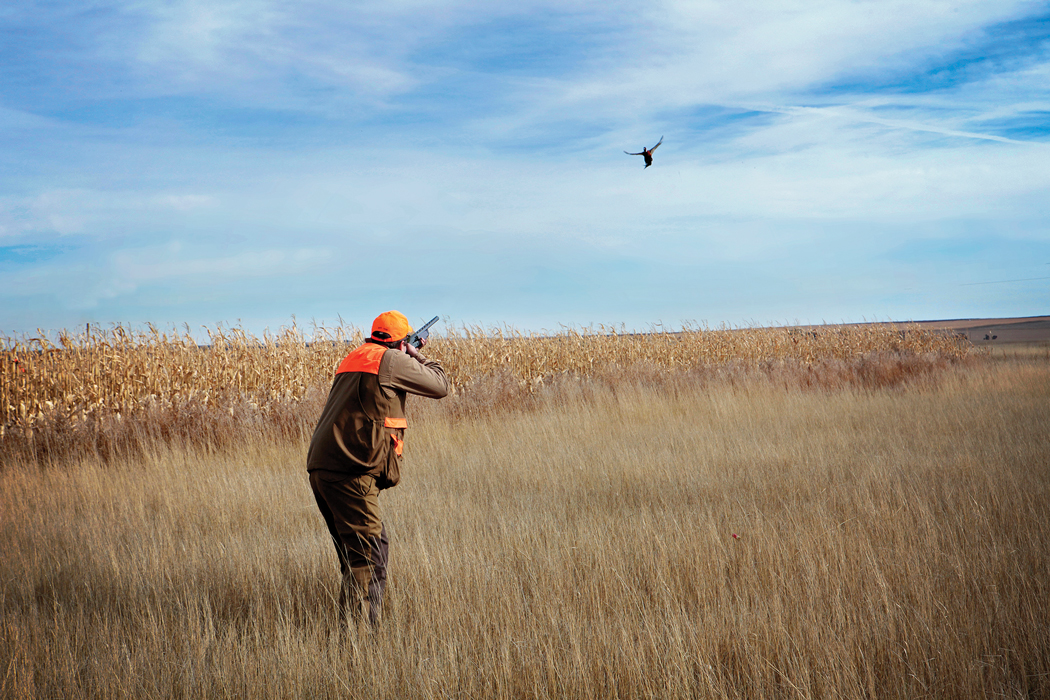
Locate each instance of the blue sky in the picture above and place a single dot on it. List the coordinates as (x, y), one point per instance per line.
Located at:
(246, 162)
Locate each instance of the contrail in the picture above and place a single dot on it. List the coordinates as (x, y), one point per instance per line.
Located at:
(853, 115)
(1026, 279)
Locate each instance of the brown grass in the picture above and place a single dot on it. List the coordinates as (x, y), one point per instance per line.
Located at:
(892, 542)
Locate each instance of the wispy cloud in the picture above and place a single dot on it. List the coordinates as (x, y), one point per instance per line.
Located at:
(76, 284)
(853, 114)
(195, 157)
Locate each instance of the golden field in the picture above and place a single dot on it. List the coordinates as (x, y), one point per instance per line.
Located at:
(112, 393)
(564, 528)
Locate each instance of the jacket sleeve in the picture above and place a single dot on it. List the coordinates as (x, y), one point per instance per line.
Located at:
(401, 372)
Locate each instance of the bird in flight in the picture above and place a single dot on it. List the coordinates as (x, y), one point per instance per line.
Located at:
(648, 152)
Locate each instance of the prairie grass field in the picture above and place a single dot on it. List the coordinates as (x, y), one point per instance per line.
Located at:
(867, 517)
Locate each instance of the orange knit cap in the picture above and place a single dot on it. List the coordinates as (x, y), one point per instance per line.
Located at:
(393, 324)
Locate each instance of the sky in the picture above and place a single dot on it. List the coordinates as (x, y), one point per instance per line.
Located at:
(259, 163)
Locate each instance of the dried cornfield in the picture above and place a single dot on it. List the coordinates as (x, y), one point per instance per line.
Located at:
(121, 372)
(108, 391)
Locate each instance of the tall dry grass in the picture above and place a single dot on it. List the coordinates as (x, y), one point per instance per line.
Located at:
(892, 542)
(113, 393)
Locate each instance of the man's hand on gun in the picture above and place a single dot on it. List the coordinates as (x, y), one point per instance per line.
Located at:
(417, 340)
(413, 351)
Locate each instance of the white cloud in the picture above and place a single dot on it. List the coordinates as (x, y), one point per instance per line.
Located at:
(187, 202)
(709, 53)
(62, 211)
(855, 115)
(17, 119)
(495, 177)
(192, 37)
(77, 285)
(90, 212)
(166, 263)
(252, 49)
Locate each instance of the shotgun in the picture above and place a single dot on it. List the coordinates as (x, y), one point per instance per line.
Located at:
(417, 338)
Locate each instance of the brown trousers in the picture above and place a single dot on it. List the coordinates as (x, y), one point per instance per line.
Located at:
(350, 507)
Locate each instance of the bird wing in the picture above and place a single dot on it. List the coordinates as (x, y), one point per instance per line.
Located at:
(635, 154)
(657, 144)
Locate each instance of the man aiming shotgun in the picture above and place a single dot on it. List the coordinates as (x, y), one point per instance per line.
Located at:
(356, 452)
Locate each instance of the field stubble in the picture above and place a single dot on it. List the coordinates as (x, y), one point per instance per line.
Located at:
(891, 541)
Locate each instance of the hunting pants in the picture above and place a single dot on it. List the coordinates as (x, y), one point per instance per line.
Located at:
(350, 507)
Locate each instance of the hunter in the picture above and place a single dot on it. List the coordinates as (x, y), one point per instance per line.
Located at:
(357, 450)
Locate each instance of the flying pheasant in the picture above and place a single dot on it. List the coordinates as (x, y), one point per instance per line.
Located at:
(648, 152)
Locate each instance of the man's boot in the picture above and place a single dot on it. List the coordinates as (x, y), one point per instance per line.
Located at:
(379, 553)
(353, 603)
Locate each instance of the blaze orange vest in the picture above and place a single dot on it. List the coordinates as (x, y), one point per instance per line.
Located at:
(360, 427)
(364, 359)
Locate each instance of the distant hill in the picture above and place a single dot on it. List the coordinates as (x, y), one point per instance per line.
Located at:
(981, 331)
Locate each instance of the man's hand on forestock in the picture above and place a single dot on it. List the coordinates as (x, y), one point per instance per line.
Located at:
(413, 352)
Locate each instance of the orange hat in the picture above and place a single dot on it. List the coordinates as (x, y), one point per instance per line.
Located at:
(393, 324)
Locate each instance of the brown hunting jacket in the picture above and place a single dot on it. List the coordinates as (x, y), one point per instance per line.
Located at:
(362, 427)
